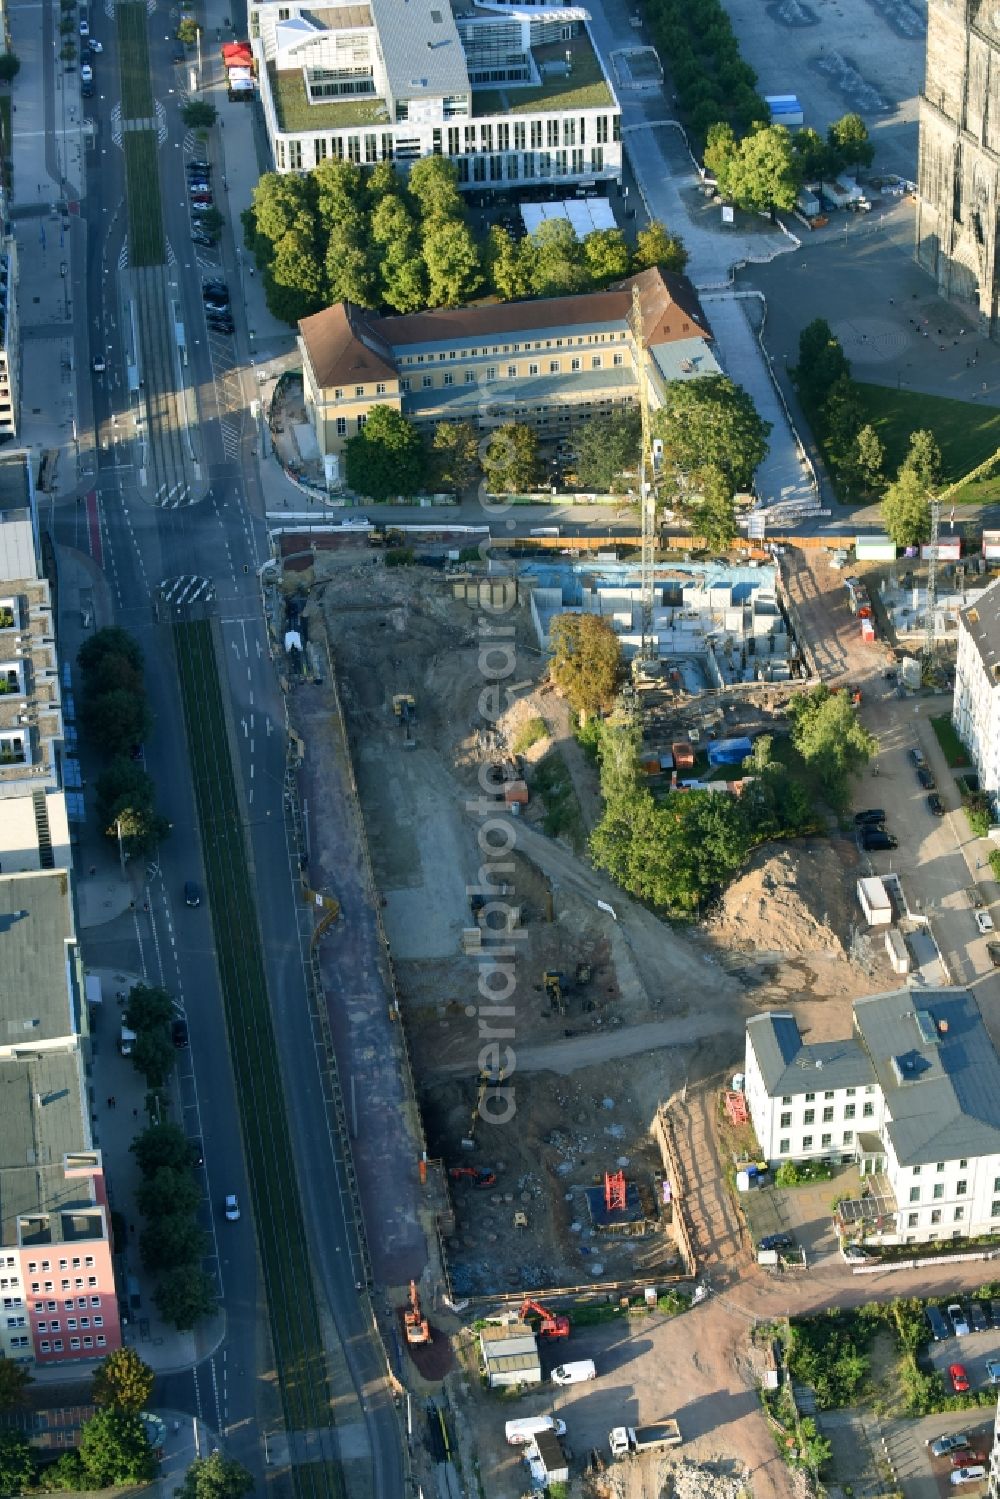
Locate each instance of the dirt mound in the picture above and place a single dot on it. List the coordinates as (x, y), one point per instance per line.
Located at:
(790, 900)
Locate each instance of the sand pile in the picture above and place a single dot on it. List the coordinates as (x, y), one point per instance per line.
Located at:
(796, 899)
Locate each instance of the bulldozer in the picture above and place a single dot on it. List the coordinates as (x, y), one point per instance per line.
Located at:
(418, 1329)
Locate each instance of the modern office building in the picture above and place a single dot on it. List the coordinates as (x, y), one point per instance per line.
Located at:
(976, 703)
(550, 362)
(515, 96)
(958, 176)
(912, 1097)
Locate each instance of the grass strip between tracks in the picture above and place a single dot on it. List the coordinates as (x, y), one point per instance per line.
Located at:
(146, 245)
(132, 21)
(295, 1329)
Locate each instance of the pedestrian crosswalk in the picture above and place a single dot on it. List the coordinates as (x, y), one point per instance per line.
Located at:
(230, 439)
(186, 590)
(173, 496)
(123, 255)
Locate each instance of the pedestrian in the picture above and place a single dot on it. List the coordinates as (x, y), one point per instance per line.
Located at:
(252, 271)
(111, 1102)
(891, 302)
(131, 905)
(145, 905)
(131, 1228)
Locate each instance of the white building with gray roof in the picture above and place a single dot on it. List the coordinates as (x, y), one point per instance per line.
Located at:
(976, 705)
(913, 1096)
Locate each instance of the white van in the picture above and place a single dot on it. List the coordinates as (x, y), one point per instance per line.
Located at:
(576, 1373)
(519, 1433)
(969, 1475)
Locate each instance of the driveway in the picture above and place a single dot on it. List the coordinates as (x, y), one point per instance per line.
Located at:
(919, 1475)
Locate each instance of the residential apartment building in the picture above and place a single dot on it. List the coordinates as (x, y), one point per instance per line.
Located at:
(994, 1467)
(550, 362)
(913, 1097)
(57, 1290)
(514, 95)
(976, 704)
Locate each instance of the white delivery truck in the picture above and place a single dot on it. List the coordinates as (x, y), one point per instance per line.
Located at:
(520, 1432)
(576, 1373)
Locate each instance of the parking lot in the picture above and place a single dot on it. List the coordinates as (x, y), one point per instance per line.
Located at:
(921, 1476)
(806, 1213)
(972, 1351)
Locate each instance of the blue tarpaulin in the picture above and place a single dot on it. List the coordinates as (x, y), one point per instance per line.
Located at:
(728, 751)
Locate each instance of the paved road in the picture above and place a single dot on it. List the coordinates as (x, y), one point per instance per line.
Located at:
(220, 543)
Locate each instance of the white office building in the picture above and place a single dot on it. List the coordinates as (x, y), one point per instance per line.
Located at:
(516, 96)
(913, 1097)
(976, 705)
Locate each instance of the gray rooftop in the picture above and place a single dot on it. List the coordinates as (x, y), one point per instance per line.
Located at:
(982, 620)
(684, 359)
(15, 491)
(939, 1072)
(789, 1067)
(41, 1121)
(421, 49)
(37, 994)
(534, 392)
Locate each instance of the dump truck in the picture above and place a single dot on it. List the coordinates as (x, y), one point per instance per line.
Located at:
(625, 1439)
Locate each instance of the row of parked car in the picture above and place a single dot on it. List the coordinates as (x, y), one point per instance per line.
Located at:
(958, 1321)
(871, 830)
(967, 1459)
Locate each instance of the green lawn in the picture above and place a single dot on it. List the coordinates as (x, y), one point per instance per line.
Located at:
(291, 105)
(583, 88)
(954, 750)
(142, 187)
(967, 434)
(133, 61)
(281, 1237)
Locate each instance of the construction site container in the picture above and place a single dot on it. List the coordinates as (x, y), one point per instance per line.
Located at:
(867, 631)
(949, 549)
(897, 951)
(515, 793)
(874, 901)
(683, 754)
(991, 545)
(874, 548)
(729, 751)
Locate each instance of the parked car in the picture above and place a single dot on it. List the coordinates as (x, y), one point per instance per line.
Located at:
(84, 28)
(220, 323)
(217, 306)
(925, 778)
(941, 1446)
(964, 1457)
(874, 816)
(199, 185)
(995, 1313)
(977, 1316)
(196, 1152)
(201, 208)
(96, 46)
(935, 805)
(938, 1326)
(179, 1032)
(192, 894)
(984, 921)
(86, 73)
(87, 90)
(200, 236)
(918, 757)
(875, 839)
(975, 1474)
(959, 1381)
(98, 364)
(215, 289)
(959, 1321)
(232, 1208)
(777, 1241)
(993, 1371)
(194, 165)
(201, 197)
(178, 52)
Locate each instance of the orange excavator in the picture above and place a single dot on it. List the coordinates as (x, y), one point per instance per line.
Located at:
(480, 1176)
(418, 1329)
(552, 1325)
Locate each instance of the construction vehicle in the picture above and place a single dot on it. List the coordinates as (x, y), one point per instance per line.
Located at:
(404, 706)
(480, 1176)
(625, 1439)
(385, 536)
(418, 1329)
(552, 1325)
(553, 985)
(486, 1080)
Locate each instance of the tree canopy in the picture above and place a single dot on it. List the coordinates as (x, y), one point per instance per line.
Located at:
(586, 662)
(160, 1145)
(655, 245)
(215, 1477)
(923, 459)
(822, 362)
(14, 1381)
(126, 806)
(387, 457)
(184, 1295)
(510, 462)
(122, 1379)
(710, 422)
(712, 512)
(906, 511)
(17, 1464)
(607, 448)
(849, 138)
(115, 1450)
(759, 173)
(454, 456)
(831, 738)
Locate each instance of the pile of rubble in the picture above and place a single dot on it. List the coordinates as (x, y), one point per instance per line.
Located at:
(795, 900)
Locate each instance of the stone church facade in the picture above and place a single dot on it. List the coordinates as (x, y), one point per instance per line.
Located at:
(959, 168)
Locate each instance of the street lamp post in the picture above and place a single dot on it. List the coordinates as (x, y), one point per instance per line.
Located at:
(121, 846)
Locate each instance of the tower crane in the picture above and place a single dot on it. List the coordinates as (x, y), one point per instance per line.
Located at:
(936, 501)
(647, 485)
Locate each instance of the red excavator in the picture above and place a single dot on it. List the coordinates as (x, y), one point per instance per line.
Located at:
(418, 1329)
(552, 1325)
(480, 1176)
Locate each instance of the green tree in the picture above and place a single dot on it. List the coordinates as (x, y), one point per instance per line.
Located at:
(822, 362)
(126, 803)
(183, 1296)
(710, 422)
(843, 417)
(924, 459)
(506, 266)
(197, 115)
(831, 738)
(454, 456)
(167, 1191)
(160, 1145)
(451, 260)
(122, 1379)
(10, 66)
(655, 245)
(397, 248)
(906, 511)
(187, 31)
(510, 463)
(350, 274)
(283, 203)
(115, 721)
(764, 173)
(153, 1057)
(816, 158)
(433, 185)
(14, 1382)
(586, 662)
(17, 1466)
(553, 259)
(606, 256)
(720, 152)
(297, 276)
(103, 652)
(382, 181)
(174, 1239)
(712, 513)
(115, 1450)
(868, 457)
(67, 1474)
(215, 1477)
(404, 282)
(848, 138)
(607, 447)
(338, 189)
(148, 1008)
(387, 457)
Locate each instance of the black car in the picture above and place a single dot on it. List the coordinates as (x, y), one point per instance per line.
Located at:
(179, 1032)
(876, 839)
(925, 778)
(201, 237)
(197, 1152)
(216, 291)
(995, 1313)
(935, 804)
(873, 817)
(221, 325)
(993, 948)
(87, 90)
(776, 1241)
(977, 1316)
(178, 52)
(192, 895)
(199, 167)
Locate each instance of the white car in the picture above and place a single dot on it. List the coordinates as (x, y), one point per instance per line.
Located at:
(984, 921)
(969, 1475)
(84, 28)
(959, 1321)
(86, 73)
(232, 1208)
(98, 364)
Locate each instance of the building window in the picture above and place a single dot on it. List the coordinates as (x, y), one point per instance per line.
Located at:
(426, 381)
(827, 1116)
(868, 1111)
(71, 1324)
(961, 1188)
(824, 1141)
(995, 1210)
(359, 390)
(912, 1219)
(45, 1346)
(101, 1341)
(914, 1194)
(807, 1142)
(575, 365)
(916, 1170)
(938, 1191)
(787, 1098)
(57, 1346)
(936, 1215)
(380, 388)
(963, 1165)
(98, 1321)
(786, 1120)
(959, 1214)
(491, 372)
(512, 372)
(74, 1343)
(553, 366)
(470, 377)
(848, 1137)
(342, 426)
(595, 361)
(618, 361)
(940, 1166)
(532, 369)
(404, 385)
(783, 1147)
(449, 378)
(849, 1109)
(809, 1116)
(851, 1092)
(359, 422)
